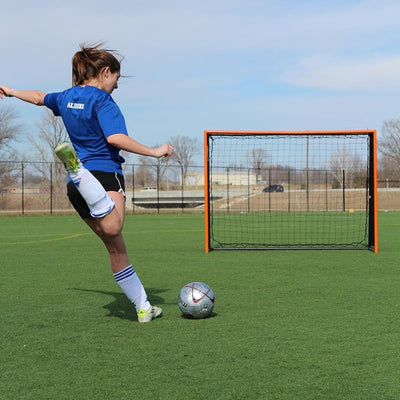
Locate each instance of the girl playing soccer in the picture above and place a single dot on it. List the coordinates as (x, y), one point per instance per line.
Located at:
(97, 131)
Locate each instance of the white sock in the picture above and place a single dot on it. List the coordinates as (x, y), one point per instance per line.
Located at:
(97, 199)
(130, 283)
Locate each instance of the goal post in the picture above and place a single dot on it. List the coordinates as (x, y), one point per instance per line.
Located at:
(290, 190)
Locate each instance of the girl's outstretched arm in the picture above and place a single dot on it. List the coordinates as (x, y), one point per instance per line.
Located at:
(31, 96)
(126, 143)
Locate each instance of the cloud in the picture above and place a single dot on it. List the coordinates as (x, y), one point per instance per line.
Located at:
(179, 26)
(363, 75)
(226, 64)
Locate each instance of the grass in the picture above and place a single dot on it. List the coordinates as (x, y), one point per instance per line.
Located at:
(288, 324)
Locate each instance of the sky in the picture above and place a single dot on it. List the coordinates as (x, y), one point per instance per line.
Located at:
(190, 66)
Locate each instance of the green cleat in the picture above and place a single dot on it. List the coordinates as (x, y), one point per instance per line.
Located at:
(67, 155)
(152, 313)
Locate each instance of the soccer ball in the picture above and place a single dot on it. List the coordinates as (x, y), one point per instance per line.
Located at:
(196, 300)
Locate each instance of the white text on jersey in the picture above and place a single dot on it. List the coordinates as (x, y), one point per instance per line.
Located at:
(78, 106)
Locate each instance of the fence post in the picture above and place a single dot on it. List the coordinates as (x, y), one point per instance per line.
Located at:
(248, 191)
(182, 189)
(51, 188)
(133, 188)
(326, 191)
(269, 193)
(344, 191)
(227, 190)
(22, 189)
(158, 186)
(288, 179)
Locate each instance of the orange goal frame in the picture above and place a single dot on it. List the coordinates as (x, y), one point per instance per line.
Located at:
(373, 175)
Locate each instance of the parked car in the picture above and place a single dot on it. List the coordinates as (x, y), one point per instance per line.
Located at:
(273, 188)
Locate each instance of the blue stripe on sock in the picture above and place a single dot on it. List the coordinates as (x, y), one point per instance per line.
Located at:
(124, 274)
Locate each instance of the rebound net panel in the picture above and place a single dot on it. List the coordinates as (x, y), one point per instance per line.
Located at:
(290, 190)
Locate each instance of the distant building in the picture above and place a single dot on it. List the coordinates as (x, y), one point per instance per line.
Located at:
(223, 178)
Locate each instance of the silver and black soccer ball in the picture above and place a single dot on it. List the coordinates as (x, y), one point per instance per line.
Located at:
(196, 300)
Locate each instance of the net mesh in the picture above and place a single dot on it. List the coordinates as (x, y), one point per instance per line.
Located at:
(289, 190)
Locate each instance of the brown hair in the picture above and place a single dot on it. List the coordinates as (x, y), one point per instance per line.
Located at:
(90, 61)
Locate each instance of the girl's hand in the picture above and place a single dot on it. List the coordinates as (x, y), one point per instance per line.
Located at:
(5, 91)
(164, 150)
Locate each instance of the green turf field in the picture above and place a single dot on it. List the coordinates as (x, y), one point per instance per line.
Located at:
(289, 324)
(326, 230)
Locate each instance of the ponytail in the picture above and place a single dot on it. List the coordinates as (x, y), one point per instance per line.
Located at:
(90, 61)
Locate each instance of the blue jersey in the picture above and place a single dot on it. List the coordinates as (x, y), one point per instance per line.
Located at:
(90, 115)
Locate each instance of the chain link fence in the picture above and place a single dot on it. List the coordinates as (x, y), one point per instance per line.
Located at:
(28, 187)
(40, 187)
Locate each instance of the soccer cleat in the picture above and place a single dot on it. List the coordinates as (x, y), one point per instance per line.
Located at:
(66, 153)
(152, 313)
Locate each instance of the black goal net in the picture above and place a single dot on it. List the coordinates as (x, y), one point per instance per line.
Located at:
(287, 190)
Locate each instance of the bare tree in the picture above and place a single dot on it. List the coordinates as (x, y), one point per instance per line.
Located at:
(9, 131)
(143, 174)
(259, 162)
(347, 166)
(387, 169)
(185, 148)
(52, 132)
(389, 144)
(159, 166)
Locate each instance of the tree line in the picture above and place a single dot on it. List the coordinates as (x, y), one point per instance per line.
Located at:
(50, 131)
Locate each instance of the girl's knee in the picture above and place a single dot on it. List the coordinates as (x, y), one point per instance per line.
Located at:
(111, 230)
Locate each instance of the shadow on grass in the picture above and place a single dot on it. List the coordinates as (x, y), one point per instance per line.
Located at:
(212, 315)
(120, 307)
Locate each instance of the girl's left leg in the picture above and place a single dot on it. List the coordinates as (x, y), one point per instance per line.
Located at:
(109, 229)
